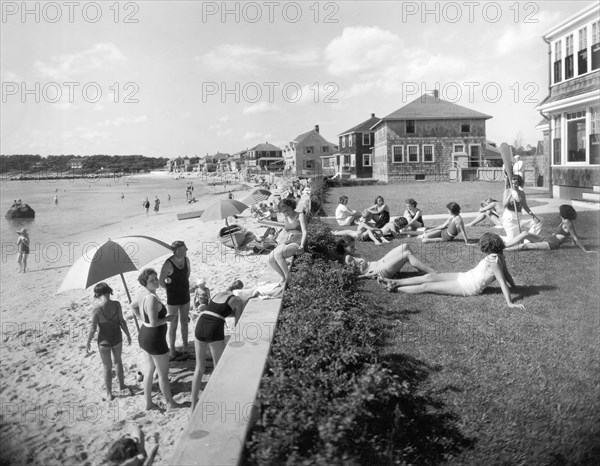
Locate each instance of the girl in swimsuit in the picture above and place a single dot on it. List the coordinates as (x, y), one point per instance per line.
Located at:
(564, 231)
(388, 266)
(292, 242)
(23, 248)
(380, 211)
(514, 202)
(413, 215)
(489, 210)
(448, 230)
(153, 338)
(108, 316)
(471, 283)
(210, 331)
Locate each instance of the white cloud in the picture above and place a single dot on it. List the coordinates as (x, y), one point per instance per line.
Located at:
(519, 36)
(65, 67)
(261, 107)
(222, 133)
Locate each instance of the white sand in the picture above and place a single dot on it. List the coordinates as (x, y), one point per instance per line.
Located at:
(51, 391)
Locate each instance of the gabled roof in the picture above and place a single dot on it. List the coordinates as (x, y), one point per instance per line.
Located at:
(429, 107)
(364, 126)
(312, 133)
(265, 147)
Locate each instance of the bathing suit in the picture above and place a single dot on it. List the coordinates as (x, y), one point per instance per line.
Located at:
(410, 217)
(23, 243)
(178, 291)
(554, 241)
(380, 268)
(153, 340)
(293, 232)
(384, 218)
(477, 279)
(448, 234)
(110, 331)
(511, 205)
(211, 325)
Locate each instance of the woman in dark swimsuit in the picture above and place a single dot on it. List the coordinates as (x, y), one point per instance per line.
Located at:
(564, 231)
(108, 316)
(210, 331)
(448, 230)
(153, 338)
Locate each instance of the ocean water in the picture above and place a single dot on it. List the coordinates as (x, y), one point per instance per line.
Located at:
(85, 205)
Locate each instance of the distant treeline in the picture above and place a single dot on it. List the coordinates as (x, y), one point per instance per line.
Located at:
(26, 163)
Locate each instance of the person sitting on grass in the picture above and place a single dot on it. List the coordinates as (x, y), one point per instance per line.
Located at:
(388, 266)
(380, 211)
(413, 215)
(472, 283)
(344, 215)
(563, 232)
(448, 230)
(364, 231)
(395, 227)
(489, 210)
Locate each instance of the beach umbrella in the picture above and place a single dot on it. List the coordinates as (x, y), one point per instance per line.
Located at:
(221, 210)
(114, 257)
(257, 196)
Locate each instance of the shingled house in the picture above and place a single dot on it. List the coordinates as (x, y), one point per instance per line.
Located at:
(303, 154)
(572, 125)
(426, 138)
(355, 151)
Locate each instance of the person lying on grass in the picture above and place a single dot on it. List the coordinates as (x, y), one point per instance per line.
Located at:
(388, 266)
(364, 231)
(395, 227)
(472, 283)
(489, 210)
(564, 231)
(448, 230)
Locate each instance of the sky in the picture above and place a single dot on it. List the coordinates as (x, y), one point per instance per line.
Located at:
(187, 78)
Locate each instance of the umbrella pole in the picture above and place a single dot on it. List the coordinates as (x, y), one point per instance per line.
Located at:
(137, 325)
(231, 236)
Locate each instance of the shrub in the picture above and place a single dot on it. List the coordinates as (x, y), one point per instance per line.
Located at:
(325, 398)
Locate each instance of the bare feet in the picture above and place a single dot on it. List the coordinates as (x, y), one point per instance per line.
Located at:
(153, 407)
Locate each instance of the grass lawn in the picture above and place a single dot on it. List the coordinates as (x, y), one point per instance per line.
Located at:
(525, 384)
(431, 197)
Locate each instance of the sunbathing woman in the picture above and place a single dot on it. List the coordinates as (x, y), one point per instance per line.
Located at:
(448, 230)
(364, 231)
(395, 228)
(293, 239)
(388, 266)
(492, 267)
(564, 231)
(380, 211)
(489, 210)
(413, 215)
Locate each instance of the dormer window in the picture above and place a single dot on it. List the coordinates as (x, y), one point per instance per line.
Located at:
(465, 128)
(410, 126)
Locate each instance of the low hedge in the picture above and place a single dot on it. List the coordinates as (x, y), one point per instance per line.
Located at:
(326, 398)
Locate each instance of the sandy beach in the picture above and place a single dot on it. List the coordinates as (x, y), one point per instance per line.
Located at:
(51, 395)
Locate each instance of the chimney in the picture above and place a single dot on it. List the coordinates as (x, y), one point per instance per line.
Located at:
(317, 128)
(372, 115)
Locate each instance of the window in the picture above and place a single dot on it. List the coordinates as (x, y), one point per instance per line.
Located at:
(366, 139)
(342, 141)
(366, 160)
(459, 147)
(582, 57)
(475, 156)
(569, 57)
(325, 149)
(556, 142)
(413, 154)
(410, 126)
(595, 135)
(558, 61)
(352, 160)
(308, 164)
(576, 140)
(465, 128)
(428, 153)
(346, 160)
(309, 150)
(397, 154)
(596, 45)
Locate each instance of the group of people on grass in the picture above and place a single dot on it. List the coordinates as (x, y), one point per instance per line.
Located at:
(521, 234)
